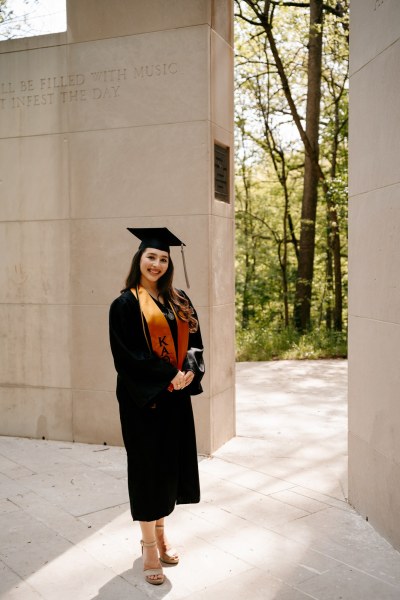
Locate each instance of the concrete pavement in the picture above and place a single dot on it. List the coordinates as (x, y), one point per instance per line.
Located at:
(273, 523)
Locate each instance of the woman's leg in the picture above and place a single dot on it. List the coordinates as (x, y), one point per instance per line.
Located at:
(149, 549)
(167, 554)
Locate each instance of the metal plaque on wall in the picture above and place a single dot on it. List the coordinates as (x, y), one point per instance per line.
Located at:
(221, 172)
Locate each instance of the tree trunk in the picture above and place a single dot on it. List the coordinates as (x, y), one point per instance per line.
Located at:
(337, 267)
(246, 294)
(329, 276)
(284, 263)
(302, 308)
(334, 245)
(335, 236)
(249, 252)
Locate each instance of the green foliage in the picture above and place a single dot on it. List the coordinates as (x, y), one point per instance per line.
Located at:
(269, 189)
(264, 343)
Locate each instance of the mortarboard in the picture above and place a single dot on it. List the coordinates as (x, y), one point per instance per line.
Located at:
(160, 238)
(156, 237)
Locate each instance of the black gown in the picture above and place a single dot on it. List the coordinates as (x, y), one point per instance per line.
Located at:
(157, 425)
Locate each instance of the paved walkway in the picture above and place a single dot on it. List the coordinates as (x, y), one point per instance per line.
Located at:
(273, 523)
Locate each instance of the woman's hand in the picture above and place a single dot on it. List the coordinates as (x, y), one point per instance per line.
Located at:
(181, 379)
(178, 381)
(188, 377)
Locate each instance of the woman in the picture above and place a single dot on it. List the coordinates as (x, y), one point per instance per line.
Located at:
(157, 349)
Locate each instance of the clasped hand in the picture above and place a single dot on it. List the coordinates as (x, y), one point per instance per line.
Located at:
(182, 379)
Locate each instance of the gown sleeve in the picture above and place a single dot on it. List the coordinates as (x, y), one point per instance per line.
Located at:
(141, 373)
(194, 358)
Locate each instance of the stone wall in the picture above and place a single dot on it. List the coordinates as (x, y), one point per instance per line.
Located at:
(109, 125)
(374, 299)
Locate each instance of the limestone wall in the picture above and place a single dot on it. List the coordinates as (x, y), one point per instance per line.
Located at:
(109, 125)
(374, 373)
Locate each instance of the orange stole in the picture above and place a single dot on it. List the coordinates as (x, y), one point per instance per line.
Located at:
(162, 342)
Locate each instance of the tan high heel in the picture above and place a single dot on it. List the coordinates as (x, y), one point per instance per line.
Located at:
(149, 572)
(170, 556)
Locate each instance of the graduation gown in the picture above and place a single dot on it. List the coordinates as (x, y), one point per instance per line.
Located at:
(157, 425)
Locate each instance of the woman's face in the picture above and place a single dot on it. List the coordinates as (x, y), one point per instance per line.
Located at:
(153, 265)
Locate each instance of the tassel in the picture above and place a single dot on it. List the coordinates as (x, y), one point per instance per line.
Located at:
(184, 267)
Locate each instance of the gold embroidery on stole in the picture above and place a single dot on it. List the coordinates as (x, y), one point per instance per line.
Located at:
(162, 342)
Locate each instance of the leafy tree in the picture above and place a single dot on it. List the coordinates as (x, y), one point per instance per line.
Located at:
(5, 12)
(292, 118)
(10, 26)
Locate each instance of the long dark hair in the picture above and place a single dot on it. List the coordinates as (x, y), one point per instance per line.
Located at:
(165, 289)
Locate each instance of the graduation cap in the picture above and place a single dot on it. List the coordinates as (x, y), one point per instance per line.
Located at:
(160, 238)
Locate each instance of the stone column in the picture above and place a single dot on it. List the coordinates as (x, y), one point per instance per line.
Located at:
(374, 312)
(112, 124)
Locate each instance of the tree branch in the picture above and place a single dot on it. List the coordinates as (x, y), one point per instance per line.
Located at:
(338, 11)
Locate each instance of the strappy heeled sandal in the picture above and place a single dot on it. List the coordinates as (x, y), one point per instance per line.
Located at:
(170, 555)
(148, 573)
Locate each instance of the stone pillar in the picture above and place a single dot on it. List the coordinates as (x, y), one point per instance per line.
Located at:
(111, 125)
(374, 311)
